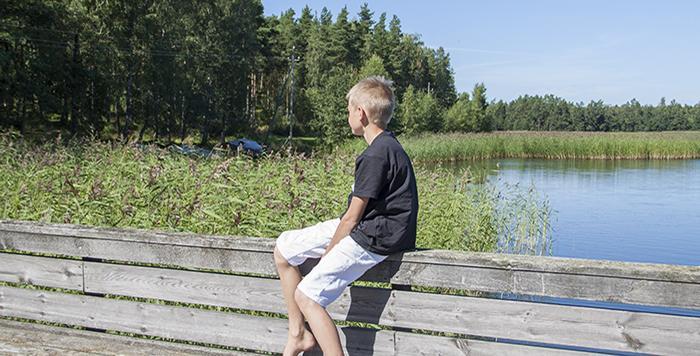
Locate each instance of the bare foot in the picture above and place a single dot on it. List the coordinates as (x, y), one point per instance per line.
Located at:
(295, 345)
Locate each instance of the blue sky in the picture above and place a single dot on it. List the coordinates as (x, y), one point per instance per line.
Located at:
(612, 50)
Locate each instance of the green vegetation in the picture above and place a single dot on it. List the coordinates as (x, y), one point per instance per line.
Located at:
(551, 145)
(107, 184)
(175, 69)
(457, 214)
(111, 184)
(551, 113)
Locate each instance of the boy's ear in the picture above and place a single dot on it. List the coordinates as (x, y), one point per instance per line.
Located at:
(363, 116)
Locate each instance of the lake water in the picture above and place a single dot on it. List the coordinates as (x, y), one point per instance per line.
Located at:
(624, 210)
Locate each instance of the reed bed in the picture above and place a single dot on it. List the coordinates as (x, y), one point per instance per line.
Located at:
(551, 145)
(109, 184)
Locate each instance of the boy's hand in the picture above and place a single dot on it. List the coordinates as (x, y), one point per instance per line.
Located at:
(348, 221)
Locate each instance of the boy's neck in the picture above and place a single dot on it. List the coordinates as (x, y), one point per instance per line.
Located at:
(371, 132)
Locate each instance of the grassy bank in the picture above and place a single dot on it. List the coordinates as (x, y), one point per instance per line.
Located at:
(105, 184)
(550, 145)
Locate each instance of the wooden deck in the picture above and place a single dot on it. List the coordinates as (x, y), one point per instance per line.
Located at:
(222, 291)
(21, 338)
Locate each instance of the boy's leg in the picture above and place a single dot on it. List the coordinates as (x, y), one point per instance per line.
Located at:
(299, 339)
(292, 248)
(321, 324)
(345, 263)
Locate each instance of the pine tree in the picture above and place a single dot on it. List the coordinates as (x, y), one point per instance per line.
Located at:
(419, 112)
(442, 78)
(329, 105)
(457, 117)
(343, 41)
(479, 120)
(320, 57)
(373, 66)
(363, 31)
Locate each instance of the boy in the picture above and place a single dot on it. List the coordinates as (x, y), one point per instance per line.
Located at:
(380, 220)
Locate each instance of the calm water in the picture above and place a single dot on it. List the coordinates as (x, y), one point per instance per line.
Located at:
(631, 210)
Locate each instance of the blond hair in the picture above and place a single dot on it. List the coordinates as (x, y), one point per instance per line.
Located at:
(375, 95)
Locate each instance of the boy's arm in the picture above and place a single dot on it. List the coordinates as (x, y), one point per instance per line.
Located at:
(348, 221)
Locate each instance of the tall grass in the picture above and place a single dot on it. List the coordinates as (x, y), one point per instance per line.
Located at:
(551, 145)
(108, 184)
(488, 217)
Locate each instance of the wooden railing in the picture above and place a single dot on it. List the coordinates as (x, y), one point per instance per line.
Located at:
(222, 291)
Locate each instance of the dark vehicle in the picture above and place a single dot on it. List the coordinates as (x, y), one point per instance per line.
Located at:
(247, 146)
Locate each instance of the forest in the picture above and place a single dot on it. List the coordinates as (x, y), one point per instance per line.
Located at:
(169, 69)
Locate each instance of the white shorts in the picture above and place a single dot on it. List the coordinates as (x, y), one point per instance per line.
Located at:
(345, 263)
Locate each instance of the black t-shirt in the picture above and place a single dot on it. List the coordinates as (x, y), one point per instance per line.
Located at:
(384, 174)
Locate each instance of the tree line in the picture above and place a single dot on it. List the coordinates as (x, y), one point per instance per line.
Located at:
(551, 113)
(174, 68)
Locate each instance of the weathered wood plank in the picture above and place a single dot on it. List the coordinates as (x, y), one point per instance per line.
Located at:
(622, 290)
(638, 283)
(228, 329)
(550, 284)
(49, 272)
(129, 249)
(428, 345)
(137, 235)
(575, 266)
(262, 294)
(534, 322)
(22, 338)
(415, 344)
(551, 324)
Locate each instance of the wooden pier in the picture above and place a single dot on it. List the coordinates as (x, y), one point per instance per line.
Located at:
(148, 292)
